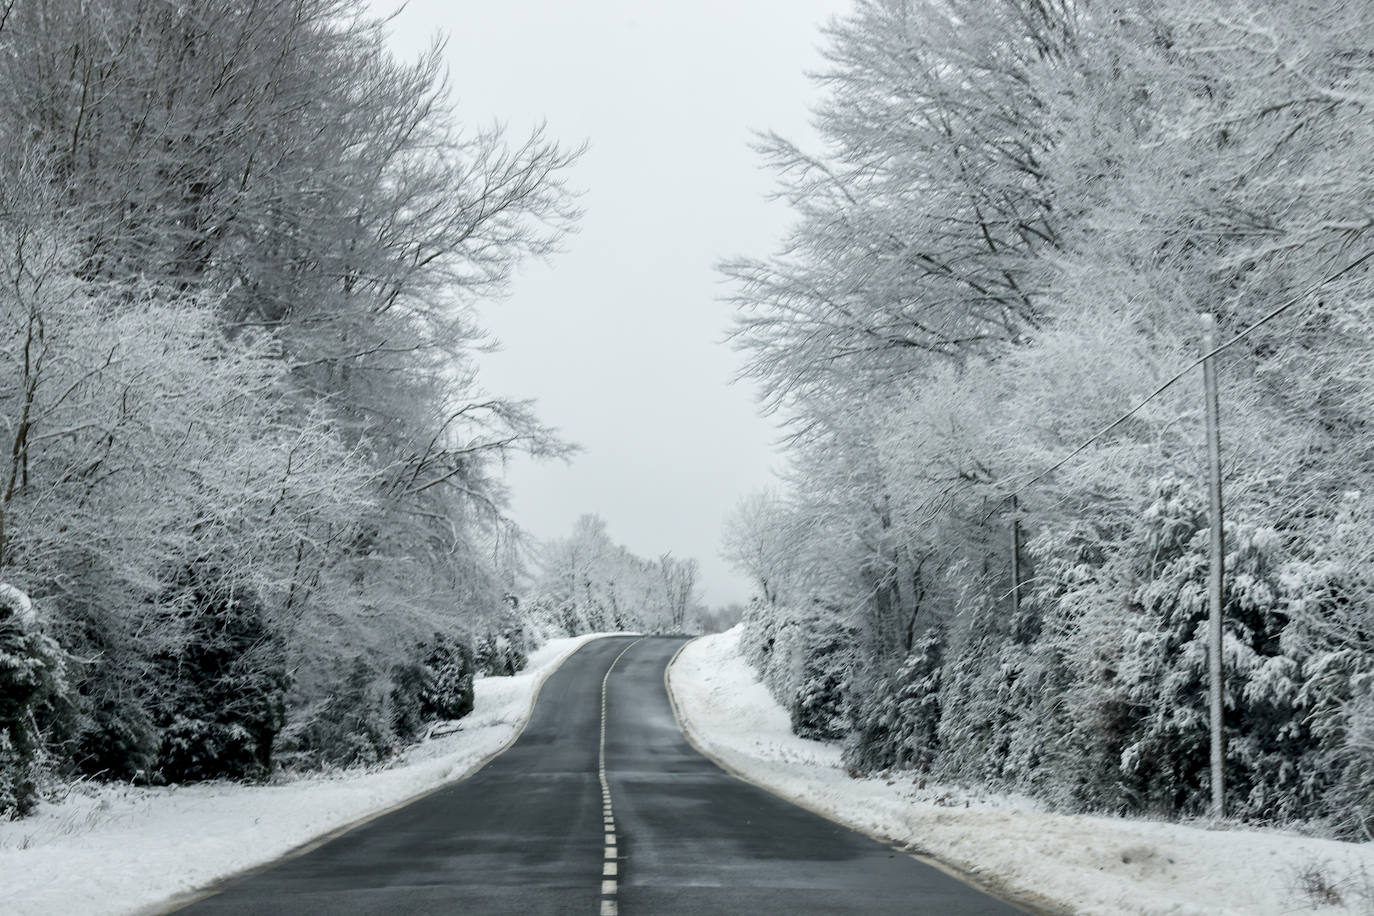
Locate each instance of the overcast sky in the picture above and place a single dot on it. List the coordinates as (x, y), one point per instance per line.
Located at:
(620, 338)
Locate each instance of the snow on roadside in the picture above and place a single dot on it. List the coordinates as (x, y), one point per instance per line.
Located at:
(1078, 864)
(117, 849)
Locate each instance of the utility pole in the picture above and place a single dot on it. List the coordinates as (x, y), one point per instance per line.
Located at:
(1015, 554)
(1218, 572)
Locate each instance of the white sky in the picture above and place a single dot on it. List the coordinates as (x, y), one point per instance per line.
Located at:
(619, 339)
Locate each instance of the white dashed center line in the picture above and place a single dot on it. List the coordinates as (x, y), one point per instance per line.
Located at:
(611, 864)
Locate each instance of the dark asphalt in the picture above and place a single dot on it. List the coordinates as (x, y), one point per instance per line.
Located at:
(524, 834)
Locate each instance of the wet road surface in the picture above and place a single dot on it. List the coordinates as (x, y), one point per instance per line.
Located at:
(532, 832)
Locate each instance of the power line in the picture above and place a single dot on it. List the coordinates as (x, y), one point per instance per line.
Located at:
(1189, 368)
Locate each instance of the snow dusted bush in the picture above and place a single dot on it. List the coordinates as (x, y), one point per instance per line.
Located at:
(550, 616)
(1329, 596)
(1125, 656)
(805, 659)
(1351, 806)
(895, 718)
(33, 691)
(974, 733)
(827, 661)
(450, 668)
(504, 652)
(370, 714)
(408, 681)
(758, 627)
(1093, 696)
(434, 686)
(349, 727)
(771, 643)
(222, 685)
(554, 617)
(117, 738)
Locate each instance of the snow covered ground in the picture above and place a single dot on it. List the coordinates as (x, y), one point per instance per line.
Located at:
(120, 849)
(1059, 863)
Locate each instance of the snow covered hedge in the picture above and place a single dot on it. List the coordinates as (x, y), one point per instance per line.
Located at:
(1094, 698)
(806, 660)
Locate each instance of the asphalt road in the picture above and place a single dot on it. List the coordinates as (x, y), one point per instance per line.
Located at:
(531, 833)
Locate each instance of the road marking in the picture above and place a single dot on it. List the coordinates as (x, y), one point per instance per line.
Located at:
(993, 889)
(611, 867)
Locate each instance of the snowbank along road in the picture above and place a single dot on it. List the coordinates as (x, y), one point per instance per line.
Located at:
(601, 806)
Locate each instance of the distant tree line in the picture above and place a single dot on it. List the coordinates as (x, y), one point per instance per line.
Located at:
(587, 583)
(1020, 210)
(246, 468)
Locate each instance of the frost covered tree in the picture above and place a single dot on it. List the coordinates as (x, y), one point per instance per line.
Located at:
(679, 583)
(760, 541)
(1019, 213)
(587, 583)
(242, 251)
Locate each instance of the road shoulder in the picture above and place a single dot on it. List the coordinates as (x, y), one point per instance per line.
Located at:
(121, 849)
(1008, 844)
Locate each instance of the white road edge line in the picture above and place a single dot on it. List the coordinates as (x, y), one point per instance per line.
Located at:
(993, 888)
(611, 866)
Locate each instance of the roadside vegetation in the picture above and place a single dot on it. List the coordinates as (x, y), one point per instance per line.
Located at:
(249, 509)
(1016, 217)
(587, 583)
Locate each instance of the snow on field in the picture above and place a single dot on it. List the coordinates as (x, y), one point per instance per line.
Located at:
(1058, 863)
(118, 849)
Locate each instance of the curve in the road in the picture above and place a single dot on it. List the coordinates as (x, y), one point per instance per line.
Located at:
(601, 805)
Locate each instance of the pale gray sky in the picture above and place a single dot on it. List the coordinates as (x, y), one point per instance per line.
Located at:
(619, 338)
